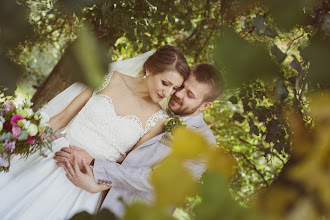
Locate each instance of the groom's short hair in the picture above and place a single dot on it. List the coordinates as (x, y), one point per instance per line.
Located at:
(210, 75)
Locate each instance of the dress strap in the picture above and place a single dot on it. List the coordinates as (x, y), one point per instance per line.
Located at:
(151, 122)
(106, 81)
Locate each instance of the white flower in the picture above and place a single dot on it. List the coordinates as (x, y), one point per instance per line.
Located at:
(22, 112)
(36, 116)
(26, 123)
(32, 129)
(2, 119)
(29, 112)
(21, 105)
(44, 118)
(20, 123)
(28, 104)
(1, 126)
(42, 129)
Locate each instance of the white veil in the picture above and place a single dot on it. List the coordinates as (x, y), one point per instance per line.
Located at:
(131, 67)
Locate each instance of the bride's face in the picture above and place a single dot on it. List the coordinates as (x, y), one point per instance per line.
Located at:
(163, 85)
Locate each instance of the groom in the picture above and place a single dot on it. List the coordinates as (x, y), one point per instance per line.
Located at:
(130, 179)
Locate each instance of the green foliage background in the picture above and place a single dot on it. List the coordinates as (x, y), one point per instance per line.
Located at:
(274, 56)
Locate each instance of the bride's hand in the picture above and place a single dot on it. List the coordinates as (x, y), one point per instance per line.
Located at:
(83, 180)
(69, 152)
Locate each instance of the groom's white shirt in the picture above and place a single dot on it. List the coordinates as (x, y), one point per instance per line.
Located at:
(130, 180)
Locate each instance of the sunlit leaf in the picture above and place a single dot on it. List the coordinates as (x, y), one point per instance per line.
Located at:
(172, 182)
(218, 161)
(188, 144)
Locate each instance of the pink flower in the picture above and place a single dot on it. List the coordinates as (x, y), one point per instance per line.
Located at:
(16, 118)
(30, 139)
(8, 106)
(9, 145)
(15, 131)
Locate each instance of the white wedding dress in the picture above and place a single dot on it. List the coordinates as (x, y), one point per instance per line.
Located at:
(37, 189)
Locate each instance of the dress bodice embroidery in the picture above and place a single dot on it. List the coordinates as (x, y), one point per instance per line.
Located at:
(104, 134)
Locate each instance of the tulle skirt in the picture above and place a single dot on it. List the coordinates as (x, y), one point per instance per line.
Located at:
(37, 189)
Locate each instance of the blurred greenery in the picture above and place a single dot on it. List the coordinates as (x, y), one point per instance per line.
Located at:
(273, 120)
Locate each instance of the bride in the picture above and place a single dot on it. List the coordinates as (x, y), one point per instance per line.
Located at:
(107, 123)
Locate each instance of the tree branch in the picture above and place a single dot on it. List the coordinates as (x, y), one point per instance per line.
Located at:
(293, 40)
(255, 169)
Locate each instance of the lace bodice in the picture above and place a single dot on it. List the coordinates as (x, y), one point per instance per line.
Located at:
(104, 134)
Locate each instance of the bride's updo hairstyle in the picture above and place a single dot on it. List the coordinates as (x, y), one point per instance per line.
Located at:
(167, 58)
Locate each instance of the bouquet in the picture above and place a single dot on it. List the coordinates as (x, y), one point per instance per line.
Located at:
(22, 132)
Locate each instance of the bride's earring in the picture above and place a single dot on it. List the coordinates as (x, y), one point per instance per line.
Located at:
(145, 76)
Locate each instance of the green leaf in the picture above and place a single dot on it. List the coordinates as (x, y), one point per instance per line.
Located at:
(318, 53)
(253, 128)
(242, 60)
(2, 148)
(104, 214)
(23, 135)
(238, 117)
(233, 100)
(288, 14)
(139, 211)
(87, 59)
(218, 202)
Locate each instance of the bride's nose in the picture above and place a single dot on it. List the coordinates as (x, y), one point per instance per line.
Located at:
(168, 92)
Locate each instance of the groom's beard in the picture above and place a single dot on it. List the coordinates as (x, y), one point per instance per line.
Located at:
(184, 111)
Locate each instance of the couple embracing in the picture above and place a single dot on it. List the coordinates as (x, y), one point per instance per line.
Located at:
(112, 140)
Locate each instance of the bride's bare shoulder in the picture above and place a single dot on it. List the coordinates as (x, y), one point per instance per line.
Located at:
(117, 77)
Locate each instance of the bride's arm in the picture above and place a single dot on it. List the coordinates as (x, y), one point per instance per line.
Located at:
(62, 119)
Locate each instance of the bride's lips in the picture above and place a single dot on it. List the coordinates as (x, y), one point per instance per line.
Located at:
(159, 96)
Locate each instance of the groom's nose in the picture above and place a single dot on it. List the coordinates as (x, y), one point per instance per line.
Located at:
(179, 93)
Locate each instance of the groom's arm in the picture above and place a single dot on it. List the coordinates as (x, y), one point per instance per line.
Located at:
(122, 175)
(127, 175)
(109, 173)
(135, 177)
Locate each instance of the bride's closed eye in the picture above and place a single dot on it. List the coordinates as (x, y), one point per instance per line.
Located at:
(165, 83)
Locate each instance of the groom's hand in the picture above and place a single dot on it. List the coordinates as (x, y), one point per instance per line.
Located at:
(68, 153)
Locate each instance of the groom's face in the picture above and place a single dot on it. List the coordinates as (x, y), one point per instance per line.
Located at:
(189, 100)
